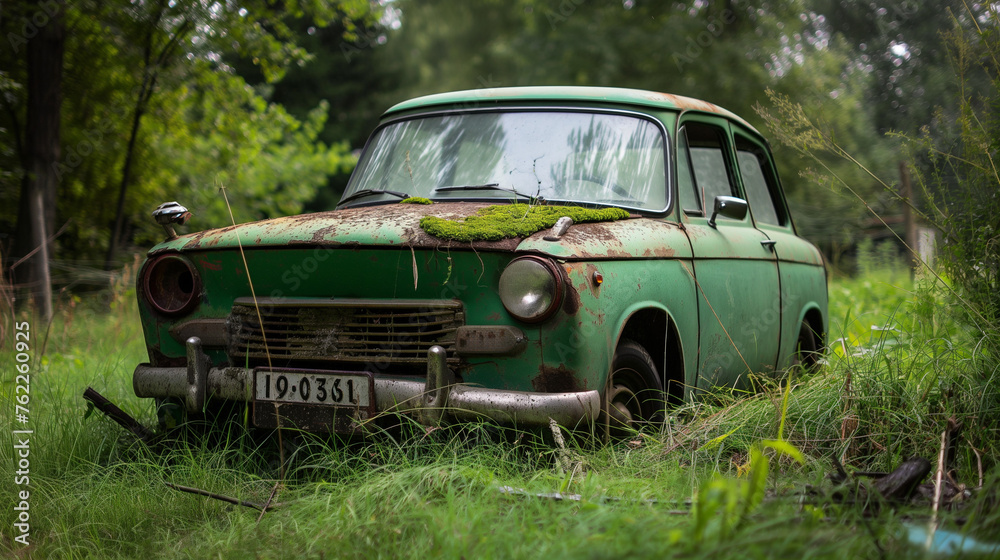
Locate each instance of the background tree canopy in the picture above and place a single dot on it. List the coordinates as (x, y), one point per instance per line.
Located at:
(170, 100)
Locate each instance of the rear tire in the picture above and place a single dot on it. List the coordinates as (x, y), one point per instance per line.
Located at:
(807, 348)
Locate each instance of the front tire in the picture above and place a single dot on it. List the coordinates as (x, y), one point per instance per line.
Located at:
(633, 396)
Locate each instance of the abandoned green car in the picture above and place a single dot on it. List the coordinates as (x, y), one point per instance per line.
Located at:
(586, 255)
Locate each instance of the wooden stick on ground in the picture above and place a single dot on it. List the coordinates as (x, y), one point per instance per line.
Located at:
(979, 461)
(938, 477)
(118, 415)
(267, 504)
(234, 501)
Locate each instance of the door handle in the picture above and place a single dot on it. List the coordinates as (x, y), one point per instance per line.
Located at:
(769, 243)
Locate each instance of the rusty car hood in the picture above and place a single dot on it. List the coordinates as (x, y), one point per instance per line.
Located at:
(399, 225)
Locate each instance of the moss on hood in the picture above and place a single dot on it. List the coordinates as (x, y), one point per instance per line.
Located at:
(494, 223)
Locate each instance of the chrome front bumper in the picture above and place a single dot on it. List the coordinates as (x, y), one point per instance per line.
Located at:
(436, 400)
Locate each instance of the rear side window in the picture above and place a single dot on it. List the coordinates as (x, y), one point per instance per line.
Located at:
(759, 183)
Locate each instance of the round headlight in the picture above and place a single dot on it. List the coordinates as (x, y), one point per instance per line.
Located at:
(171, 285)
(531, 288)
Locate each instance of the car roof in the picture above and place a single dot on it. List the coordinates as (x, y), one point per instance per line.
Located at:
(487, 97)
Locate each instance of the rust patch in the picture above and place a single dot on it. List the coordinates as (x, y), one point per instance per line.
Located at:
(210, 265)
(368, 226)
(591, 271)
(555, 380)
(663, 251)
(571, 303)
(682, 102)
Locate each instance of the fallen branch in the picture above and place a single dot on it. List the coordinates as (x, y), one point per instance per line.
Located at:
(267, 504)
(939, 476)
(234, 501)
(121, 417)
(979, 461)
(900, 483)
(561, 497)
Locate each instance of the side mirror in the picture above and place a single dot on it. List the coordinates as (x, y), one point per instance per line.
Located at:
(730, 207)
(170, 213)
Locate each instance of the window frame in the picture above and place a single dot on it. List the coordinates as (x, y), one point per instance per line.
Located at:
(771, 178)
(668, 149)
(722, 127)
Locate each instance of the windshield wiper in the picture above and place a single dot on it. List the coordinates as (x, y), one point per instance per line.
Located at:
(486, 187)
(368, 192)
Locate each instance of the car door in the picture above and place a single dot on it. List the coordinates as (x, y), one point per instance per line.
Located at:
(736, 271)
(802, 286)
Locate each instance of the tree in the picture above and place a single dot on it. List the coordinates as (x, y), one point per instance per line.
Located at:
(145, 85)
(257, 29)
(41, 147)
(343, 73)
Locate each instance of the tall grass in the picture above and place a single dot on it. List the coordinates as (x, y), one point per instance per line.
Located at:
(683, 488)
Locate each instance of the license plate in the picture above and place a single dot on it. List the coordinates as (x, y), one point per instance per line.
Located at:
(336, 389)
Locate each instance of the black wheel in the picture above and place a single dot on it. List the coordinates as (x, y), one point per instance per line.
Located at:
(634, 395)
(807, 348)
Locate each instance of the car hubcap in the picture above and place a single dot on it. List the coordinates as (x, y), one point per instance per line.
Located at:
(623, 408)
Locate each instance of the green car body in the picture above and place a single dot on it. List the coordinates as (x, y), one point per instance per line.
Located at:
(611, 319)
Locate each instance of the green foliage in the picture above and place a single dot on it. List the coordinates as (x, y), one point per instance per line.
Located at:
(723, 504)
(221, 133)
(953, 162)
(956, 164)
(494, 223)
(416, 200)
(875, 258)
(200, 125)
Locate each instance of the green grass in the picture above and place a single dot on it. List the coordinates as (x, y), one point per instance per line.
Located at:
(95, 493)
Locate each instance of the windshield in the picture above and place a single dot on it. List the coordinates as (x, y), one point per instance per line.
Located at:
(601, 158)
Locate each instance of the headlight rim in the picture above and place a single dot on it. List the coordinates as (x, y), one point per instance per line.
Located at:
(557, 297)
(152, 267)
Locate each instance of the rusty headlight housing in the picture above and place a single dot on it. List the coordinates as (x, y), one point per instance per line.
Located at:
(171, 285)
(531, 288)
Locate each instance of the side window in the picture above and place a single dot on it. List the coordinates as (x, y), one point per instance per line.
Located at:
(759, 183)
(707, 145)
(686, 188)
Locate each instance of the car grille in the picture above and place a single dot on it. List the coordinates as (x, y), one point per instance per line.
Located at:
(313, 332)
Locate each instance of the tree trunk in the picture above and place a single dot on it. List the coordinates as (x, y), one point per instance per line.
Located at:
(118, 229)
(42, 151)
(153, 62)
